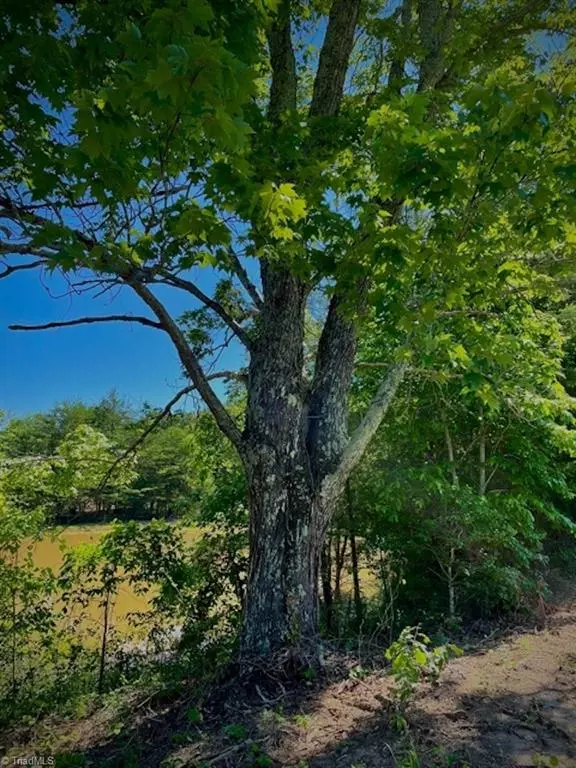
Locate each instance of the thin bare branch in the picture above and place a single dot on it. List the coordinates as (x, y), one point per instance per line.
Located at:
(467, 313)
(89, 321)
(245, 280)
(157, 420)
(10, 268)
(23, 216)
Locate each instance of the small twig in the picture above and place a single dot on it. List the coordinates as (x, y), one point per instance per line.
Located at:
(389, 748)
(215, 306)
(267, 700)
(245, 280)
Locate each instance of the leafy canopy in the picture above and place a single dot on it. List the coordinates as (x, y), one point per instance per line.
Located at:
(134, 136)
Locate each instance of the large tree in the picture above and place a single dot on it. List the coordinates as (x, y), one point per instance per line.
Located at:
(395, 169)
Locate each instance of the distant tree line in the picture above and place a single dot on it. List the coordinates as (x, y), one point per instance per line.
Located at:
(90, 463)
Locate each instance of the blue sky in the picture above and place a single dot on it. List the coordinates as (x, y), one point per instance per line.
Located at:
(40, 369)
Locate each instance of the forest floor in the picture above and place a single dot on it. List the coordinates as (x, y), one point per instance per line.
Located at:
(510, 700)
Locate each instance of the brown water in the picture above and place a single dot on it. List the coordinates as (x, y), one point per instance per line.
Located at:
(48, 553)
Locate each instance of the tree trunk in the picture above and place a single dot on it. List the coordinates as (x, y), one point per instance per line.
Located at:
(340, 559)
(104, 642)
(354, 557)
(451, 586)
(287, 525)
(286, 537)
(326, 575)
(295, 446)
(294, 435)
(482, 462)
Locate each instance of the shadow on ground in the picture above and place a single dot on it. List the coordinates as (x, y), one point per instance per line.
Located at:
(509, 703)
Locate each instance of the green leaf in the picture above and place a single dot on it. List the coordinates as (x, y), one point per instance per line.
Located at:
(177, 58)
(459, 356)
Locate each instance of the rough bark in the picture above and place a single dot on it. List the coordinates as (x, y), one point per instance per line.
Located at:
(285, 542)
(328, 410)
(333, 484)
(283, 64)
(435, 26)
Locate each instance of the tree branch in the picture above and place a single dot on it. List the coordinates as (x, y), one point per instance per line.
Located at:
(511, 22)
(89, 321)
(190, 363)
(435, 26)
(334, 483)
(334, 58)
(283, 63)
(23, 250)
(328, 408)
(19, 267)
(245, 280)
(186, 285)
(22, 214)
(165, 322)
(467, 313)
(398, 63)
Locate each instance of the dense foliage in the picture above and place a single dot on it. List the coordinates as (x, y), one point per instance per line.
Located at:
(61, 642)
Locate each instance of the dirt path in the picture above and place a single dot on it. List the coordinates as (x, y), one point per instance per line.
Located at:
(506, 703)
(513, 704)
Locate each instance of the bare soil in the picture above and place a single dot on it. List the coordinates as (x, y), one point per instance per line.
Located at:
(511, 704)
(509, 701)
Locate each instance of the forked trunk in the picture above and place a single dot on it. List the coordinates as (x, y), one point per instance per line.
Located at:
(294, 431)
(293, 453)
